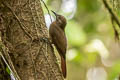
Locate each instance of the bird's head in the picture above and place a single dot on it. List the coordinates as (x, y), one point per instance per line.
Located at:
(61, 21)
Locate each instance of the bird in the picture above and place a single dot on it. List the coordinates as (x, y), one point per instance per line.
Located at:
(58, 38)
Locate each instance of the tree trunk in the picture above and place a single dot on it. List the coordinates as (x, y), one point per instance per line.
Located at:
(25, 35)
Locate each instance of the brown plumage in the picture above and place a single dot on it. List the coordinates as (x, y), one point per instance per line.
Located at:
(58, 37)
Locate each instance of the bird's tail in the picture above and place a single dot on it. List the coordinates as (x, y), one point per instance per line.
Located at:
(63, 66)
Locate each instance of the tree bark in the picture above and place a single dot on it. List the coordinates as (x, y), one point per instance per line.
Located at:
(25, 35)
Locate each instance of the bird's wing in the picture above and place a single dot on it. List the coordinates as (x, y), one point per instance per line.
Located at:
(60, 41)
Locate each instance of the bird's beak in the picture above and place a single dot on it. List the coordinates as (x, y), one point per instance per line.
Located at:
(55, 13)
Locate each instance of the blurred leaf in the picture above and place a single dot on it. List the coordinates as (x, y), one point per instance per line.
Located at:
(79, 57)
(75, 35)
(91, 58)
(118, 13)
(88, 5)
(114, 71)
(90, 27)
(8, 71)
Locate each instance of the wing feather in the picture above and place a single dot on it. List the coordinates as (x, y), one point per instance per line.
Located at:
(59, 39)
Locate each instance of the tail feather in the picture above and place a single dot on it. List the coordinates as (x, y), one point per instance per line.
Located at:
(63, 66)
